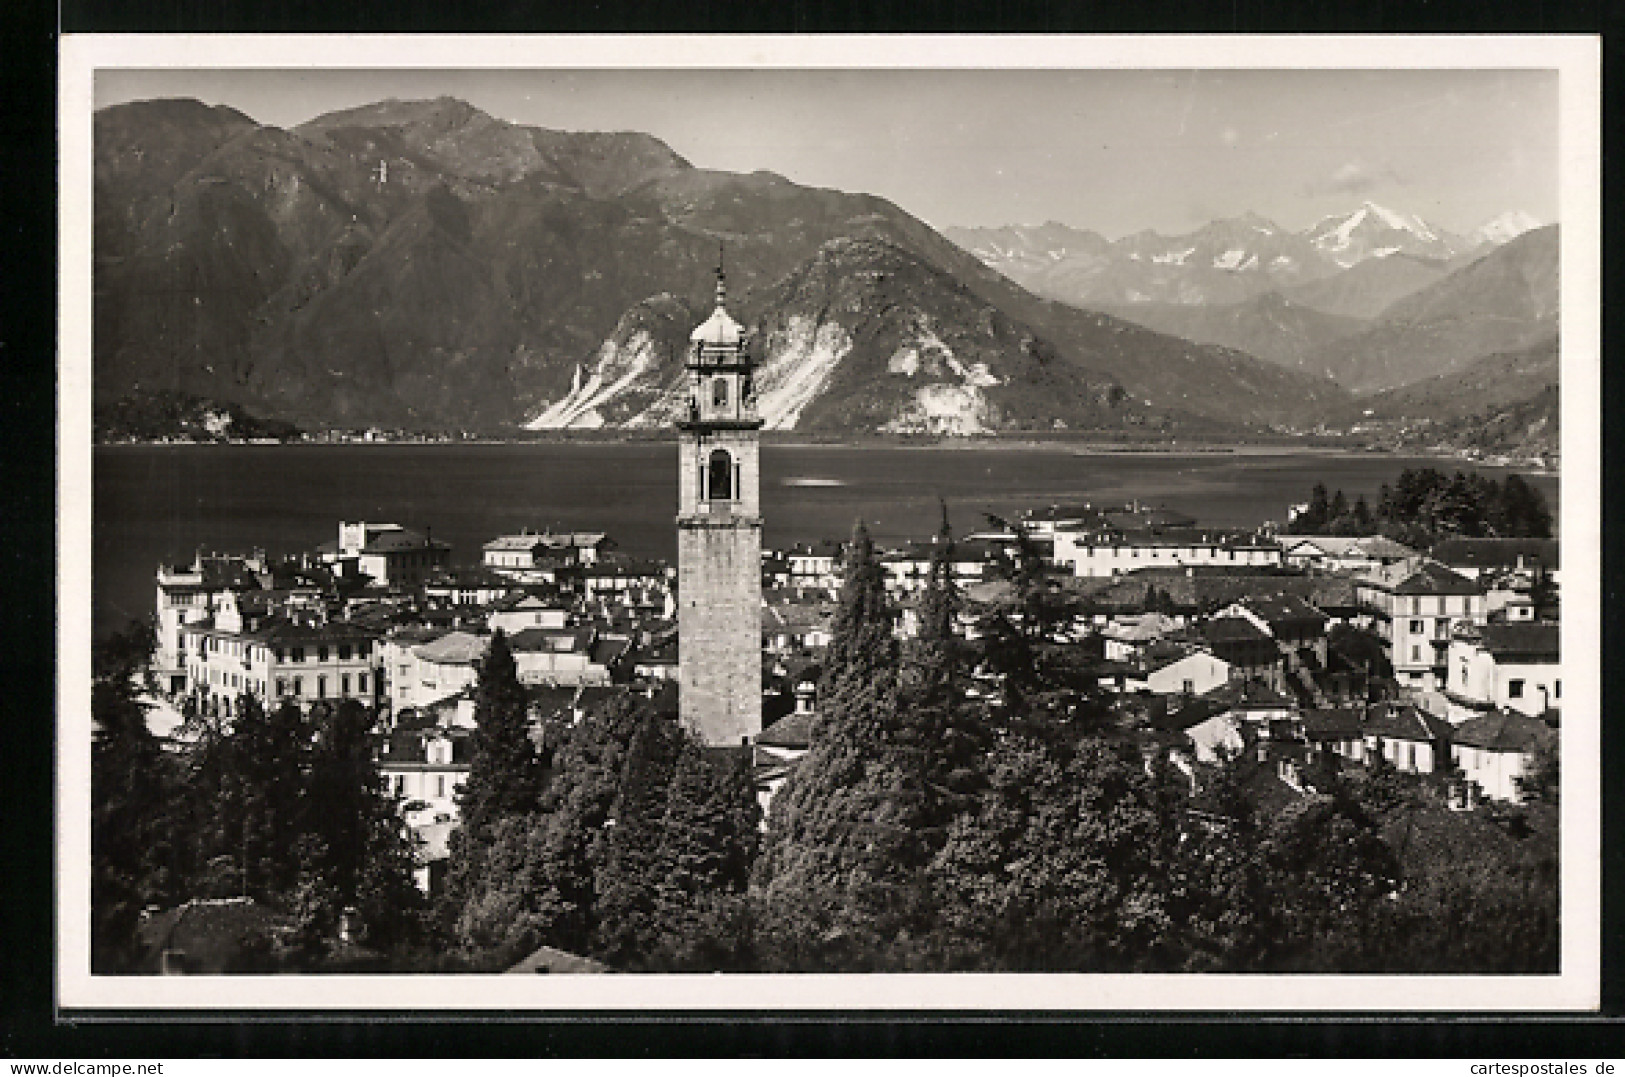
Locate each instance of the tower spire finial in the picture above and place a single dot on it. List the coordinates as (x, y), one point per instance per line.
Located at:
(721, 276)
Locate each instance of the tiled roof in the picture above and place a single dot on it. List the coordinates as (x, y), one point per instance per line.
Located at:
(1521, 642)
(1281, 609)
(548, 959)
(1498, 552)
(1378, 546)
(281, 631)
(1190, 715)
(794, 730)
(394, 541)
(454, 648)
(1232, 630)
(1404, 722)
(1504, 731)
(556, 640)
(1246, 695)
(1335, 723)
(1422, 577)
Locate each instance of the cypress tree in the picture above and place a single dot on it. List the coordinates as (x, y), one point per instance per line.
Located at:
(838, 881)
(505, 775)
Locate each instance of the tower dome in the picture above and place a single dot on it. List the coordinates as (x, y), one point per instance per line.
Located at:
(719, 329)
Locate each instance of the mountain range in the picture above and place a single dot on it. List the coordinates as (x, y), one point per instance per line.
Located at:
(423, 264)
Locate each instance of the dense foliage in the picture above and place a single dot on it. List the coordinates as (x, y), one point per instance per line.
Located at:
(967, 804)
(1425, 505)
(285, 808)
(619, 837)
(154, 416)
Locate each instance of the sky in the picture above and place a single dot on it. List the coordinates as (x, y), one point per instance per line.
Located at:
(1116, 151)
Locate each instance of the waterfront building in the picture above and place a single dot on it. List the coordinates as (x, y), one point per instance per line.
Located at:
(1113, 553)
(719, 536)
(388, 554)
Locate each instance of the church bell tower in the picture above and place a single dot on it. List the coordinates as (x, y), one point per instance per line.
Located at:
(719, 537)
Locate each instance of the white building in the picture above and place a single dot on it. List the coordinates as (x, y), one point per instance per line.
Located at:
(1414, 606)
(1506, 667)
(1094, 553)
(1494, 750)
(1342, 553)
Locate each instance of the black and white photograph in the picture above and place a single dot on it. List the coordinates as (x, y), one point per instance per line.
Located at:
(716, 523)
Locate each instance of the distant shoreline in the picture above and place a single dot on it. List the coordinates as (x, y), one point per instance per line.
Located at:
(1077, 447)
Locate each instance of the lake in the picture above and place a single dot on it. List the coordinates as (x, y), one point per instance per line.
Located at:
(160, 503)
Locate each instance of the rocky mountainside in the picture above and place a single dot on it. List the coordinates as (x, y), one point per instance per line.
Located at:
(423, 264)
(1368, 288)
(1269, 326)
(863, 336)
(1488, 382)
(1504, 301)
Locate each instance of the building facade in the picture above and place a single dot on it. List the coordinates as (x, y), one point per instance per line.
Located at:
(719, 537)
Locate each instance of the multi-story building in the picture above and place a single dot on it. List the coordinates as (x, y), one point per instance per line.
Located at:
(539, 556)
(1495, 750)
(188, 595)
(425, 670)
(1414, 607)
(1112, 553)
(277, 659)
(388, 554)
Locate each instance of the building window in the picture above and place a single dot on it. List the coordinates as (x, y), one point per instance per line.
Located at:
(298, 654)
(1416, 653)
(344, 652)
(321, 653)
(721, 476)
(298, 686)
(1557, 689)
(439, 785)
(344, 684)
(1515, 689)
(282, 686)
(1418, 627)
(361, 683)
(719, 392)
(321, 687)
(400, 784)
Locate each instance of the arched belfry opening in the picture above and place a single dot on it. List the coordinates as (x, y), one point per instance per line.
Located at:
(719, 481)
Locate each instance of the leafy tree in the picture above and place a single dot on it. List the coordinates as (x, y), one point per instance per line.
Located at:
(134, 861)
(1061, 866)
(1328, 868)
(1046, 684)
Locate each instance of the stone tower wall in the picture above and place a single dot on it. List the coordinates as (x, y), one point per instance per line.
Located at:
(719, 595)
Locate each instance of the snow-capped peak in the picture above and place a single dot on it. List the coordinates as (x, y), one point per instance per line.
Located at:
(1505, 228)
(1400, 222)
